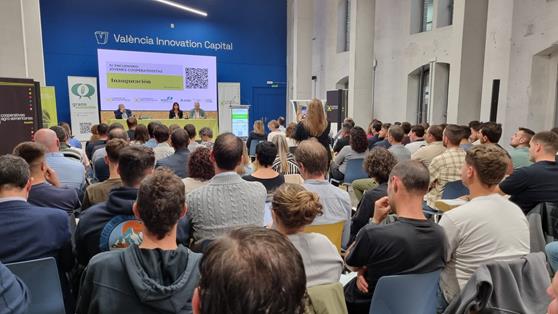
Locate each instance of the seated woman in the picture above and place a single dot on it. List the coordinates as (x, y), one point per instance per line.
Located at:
(289, 133)
(175, 112)
(246, 167)
(265, 155)
(378, 165)
(358, 145)
(200, 169)
(293, 207)
(206, 135)
(141, 135)
(257, 134)
(274, 131)
(285, 162)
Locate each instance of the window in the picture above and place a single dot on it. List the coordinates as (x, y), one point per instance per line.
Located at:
(427, 14)
(445, 13)
(344, 26)
(424, 94)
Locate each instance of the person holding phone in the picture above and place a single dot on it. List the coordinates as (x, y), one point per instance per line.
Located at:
(175, 112)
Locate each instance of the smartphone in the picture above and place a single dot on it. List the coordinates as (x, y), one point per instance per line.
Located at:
(303, 110)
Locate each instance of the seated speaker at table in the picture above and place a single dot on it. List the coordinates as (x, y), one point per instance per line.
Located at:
(175, 112)
(122, 112)
(197, 112)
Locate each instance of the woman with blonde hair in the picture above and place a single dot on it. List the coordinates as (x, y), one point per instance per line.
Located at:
(274, 131)
(257, 134)
(285, 162)
(245, 167)
(292, 208)
(314, 124)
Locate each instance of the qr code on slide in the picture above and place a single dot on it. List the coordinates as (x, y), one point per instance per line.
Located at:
(84, 127)
(196, 78)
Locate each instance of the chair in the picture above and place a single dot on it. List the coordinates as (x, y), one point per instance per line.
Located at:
(41, 277)
(414, 293)
(294, 178)
(252, 148)
(334, 232)
(354, 171)
(454, 189)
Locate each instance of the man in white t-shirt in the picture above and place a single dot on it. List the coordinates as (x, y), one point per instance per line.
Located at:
(488, 228)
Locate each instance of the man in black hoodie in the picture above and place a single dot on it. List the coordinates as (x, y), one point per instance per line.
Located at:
(158, 276)
(134, 164)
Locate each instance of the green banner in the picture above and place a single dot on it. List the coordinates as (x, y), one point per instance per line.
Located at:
(145, 81)
(48, 105)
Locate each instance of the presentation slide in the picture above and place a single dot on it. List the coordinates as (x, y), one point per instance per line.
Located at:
(149, 81)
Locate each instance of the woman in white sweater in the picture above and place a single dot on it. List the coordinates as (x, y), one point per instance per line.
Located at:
(293, 207)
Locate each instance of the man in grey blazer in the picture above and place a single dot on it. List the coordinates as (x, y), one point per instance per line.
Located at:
(178, 161)
(227, 201)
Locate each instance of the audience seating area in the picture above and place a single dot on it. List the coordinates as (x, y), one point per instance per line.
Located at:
(215, 193)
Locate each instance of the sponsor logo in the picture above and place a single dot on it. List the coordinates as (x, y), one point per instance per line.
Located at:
(102, 37)
(83, 90)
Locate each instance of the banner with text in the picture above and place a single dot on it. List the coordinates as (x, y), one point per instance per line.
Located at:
(48, 106)
(84, 105)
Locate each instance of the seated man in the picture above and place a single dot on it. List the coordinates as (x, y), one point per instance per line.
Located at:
(178, 161)
(312, 160)
(520, 147)
(156, 276)
(122, 112)
(227, 201)
(191, 129)
(529, 186)
(29, 232)
(70, 171)
(152, 142)
(434, 145)
(395, 136)
(488, 228)
(447, 166)
(102, 130)
(14, 297)
(45, 189)
(382, 137)
(134, 164)
(197, 112)
(163, 149)
(99, 192)
(410, 245)
(417, 138)
(267, 272)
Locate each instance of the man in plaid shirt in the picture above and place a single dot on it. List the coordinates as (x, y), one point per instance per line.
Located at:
(447, 166)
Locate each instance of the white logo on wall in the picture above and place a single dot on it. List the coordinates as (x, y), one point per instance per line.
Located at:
(102, 37)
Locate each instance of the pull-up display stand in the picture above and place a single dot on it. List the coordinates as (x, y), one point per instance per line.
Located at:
(20, 112)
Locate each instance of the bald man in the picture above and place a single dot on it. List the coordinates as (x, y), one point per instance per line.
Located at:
(70, 171)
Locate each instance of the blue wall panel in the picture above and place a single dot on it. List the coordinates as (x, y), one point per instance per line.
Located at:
(257, 30)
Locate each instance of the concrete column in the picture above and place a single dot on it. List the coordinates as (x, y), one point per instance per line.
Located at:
(361, 61)
(21, 54)
(299, 56)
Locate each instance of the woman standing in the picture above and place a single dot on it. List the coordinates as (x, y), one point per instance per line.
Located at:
(175, 112)
(314, 125)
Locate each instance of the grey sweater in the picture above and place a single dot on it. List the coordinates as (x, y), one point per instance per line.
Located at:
(227, 201)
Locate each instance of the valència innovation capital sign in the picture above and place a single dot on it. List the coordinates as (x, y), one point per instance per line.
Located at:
(104, 38)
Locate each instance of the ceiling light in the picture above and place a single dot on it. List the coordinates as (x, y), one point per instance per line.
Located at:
(183, 7)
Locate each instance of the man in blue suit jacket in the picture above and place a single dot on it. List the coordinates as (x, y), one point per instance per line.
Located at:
(29, 232)
(122, 112)
(177, 162)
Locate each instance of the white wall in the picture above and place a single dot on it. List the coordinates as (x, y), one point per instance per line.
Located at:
(21, 51)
